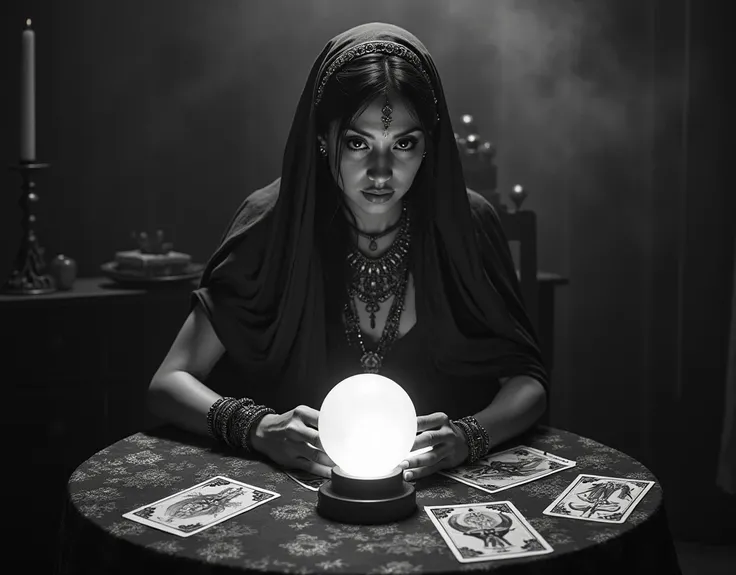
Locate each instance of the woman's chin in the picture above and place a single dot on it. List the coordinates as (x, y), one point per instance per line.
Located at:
(380, 208)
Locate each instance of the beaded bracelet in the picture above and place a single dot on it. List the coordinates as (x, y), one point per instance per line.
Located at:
(477, 438)
(235, 420)
(218, 412)
(226, 411)
(484, 440)
(234, 425)
(470, 440)
(241, 424)
(230, 420)
(219, 415)
(211, 416)
(259, 413)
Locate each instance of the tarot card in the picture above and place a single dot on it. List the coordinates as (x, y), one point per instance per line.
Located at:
(599, 498)
(509, 468)
(201, 506)
(486, 531)
(306, 479)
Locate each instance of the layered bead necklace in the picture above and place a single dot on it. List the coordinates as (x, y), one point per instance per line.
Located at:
(374, 281)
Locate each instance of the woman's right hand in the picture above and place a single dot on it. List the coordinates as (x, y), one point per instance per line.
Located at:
(291, 440)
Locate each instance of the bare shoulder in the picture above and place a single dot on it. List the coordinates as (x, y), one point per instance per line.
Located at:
(197, 347)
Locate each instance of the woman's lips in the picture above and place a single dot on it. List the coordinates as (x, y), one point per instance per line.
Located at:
(377, 198)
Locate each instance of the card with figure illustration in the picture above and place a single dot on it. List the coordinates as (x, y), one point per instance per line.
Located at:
(486, 531)
(305, 479)
(509, 468)
(599, 498)
(201, 506)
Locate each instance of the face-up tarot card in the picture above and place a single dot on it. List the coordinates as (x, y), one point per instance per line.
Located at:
(486, 531)
(306, 479)
(509, 468)
(204, 505)
(599, 498)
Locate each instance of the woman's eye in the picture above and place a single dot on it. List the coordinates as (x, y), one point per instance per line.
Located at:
(407, 144)
(352, 141)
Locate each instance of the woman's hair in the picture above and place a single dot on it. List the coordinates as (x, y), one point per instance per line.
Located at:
(347, 95)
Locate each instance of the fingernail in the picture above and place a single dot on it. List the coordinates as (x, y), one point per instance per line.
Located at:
(407, 476)
(405, 464)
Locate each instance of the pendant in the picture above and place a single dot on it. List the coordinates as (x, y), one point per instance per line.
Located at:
(372, 308)
(371, 362)
(373, 246)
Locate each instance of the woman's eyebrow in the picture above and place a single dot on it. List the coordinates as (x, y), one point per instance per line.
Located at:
(399, 135)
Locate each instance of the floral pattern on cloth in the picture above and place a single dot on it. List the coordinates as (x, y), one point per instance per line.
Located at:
(287, 535)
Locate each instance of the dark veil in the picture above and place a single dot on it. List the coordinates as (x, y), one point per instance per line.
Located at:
(264, 288)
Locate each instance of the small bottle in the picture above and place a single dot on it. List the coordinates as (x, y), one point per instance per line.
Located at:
(64, 272)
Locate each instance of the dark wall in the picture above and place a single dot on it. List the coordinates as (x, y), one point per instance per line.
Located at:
(691, 287)
(167, 114)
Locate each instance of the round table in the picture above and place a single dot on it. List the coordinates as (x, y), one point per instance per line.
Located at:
(286, 535)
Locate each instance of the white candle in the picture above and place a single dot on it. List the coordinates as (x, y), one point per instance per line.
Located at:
(28, 95)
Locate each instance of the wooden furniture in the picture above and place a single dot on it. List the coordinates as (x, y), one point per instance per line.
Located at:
(521, 227)
(77, 366)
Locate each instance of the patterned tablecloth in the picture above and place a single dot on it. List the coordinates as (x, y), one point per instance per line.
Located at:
(287, 535)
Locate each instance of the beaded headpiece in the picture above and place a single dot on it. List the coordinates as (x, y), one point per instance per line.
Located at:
(382, 46)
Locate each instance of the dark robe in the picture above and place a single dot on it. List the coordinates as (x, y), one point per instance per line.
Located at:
(408, 362)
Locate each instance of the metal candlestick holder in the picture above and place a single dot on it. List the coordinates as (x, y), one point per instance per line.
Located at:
(518, 195)
(28, 277)
(478, 159)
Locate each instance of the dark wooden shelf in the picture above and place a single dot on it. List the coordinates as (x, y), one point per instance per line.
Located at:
(98, 287)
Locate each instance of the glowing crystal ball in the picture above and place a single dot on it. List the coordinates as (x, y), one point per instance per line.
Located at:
(367, 425)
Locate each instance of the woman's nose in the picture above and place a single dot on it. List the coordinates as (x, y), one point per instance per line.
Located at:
(380, 169)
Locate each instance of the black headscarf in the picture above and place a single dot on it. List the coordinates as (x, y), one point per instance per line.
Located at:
(265, 291)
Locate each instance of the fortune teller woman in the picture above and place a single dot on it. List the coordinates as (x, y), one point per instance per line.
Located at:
(368, 254)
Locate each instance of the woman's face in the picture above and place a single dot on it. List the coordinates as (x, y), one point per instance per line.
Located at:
(374, 162)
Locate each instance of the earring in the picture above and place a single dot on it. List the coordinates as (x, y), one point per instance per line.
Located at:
(424, 155)
(323, 150)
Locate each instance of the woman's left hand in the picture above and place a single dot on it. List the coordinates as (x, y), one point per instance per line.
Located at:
(447, 442)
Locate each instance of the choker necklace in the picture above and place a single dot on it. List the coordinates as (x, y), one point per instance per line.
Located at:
(373, 246)
(377, 279)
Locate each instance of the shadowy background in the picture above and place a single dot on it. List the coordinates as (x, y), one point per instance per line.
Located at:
(168, 114)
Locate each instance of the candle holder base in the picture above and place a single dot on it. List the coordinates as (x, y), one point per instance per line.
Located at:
(360, 501)
(27, 276)
(37, 285)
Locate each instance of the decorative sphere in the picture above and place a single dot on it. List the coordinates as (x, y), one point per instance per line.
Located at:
(367, 425)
